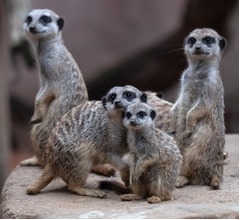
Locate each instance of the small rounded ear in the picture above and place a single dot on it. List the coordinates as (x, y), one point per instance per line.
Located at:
(60, 23)
(152, 114)
(143, 97)
(104, 101)
(222, 43)
(159, 95)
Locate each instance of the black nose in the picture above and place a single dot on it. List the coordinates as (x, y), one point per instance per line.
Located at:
(32, 30)
(198, 48)
(117, 104)
(133, 123)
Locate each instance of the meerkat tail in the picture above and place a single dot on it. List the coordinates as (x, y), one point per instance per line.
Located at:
(115, 186)
(45, 178)
(33, 161)
(215, 182)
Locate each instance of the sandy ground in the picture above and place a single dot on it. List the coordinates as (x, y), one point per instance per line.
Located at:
(55, 201)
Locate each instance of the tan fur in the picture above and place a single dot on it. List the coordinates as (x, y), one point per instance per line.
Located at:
(199, 111)
(61, 83)
(85, 137)
(156, 159)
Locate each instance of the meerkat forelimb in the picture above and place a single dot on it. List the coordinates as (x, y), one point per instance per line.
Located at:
(199, 111)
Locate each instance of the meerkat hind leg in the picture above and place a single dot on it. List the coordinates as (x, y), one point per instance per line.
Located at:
(33, 161)
(87, 192)
(130, 197)
(154, 199)
(45, 178)
(182, 181)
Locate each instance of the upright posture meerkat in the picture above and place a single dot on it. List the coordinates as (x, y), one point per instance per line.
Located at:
(86, 136)
(156, 159)
(61, 83)
(199, 111)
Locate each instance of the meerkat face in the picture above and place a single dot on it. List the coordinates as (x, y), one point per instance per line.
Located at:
(204, 43)
(118, 98)
(42, 23)
(138, 115)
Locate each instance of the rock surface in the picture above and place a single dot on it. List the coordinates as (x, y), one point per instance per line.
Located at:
(55, 201)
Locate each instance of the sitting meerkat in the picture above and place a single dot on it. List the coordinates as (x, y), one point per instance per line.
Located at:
(61, 82)
(199, 111)
(156, 159)
(85, 137)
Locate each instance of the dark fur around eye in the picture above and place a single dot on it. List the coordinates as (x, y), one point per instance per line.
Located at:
(141, 114)
(129, 95)
(128, 115)
(28, 19)
(111, 97)
(208, 40)
(191, 40)
(45, 19)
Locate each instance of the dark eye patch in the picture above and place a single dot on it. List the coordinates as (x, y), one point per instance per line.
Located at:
(129, 95)
(111, 97)
(45, 19)
(191, 40)
(128, 115)
(208, 40)
(28, 19)
(141, 114)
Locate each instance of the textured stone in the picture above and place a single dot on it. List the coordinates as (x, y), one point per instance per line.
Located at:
(55, 201)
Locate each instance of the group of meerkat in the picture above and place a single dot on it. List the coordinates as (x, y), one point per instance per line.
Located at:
(167, 144)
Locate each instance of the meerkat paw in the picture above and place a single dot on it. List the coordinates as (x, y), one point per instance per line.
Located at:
(31, 190)
(215, 182)
(181, 181)
(103, 169)
(130, 197)
(154, 199)
(33, 161)
(87, 192)
(35, 120)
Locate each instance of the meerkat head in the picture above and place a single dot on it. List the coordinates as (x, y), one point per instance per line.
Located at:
(204, 43)
(138, 115)
(118, 98)
(42, 23)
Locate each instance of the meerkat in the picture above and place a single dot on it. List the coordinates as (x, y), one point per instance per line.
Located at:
(85, 137)
(61, 82)
(199, 111)
(156, 159)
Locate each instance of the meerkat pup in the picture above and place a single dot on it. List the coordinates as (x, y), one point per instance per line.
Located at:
(85, 137)
(199, 111)
(61, 83)
(156, 159)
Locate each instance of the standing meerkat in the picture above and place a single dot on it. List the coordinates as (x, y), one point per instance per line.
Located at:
(61, 83)
(156, 159)
(85, 137)
(199, 111)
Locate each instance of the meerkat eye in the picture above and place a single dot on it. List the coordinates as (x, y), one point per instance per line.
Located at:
(129, 95)
(191, 40)
(28, 19)
(128, 115)
(141, 114)
(208, 40)
(46, 19)
(111, 97)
